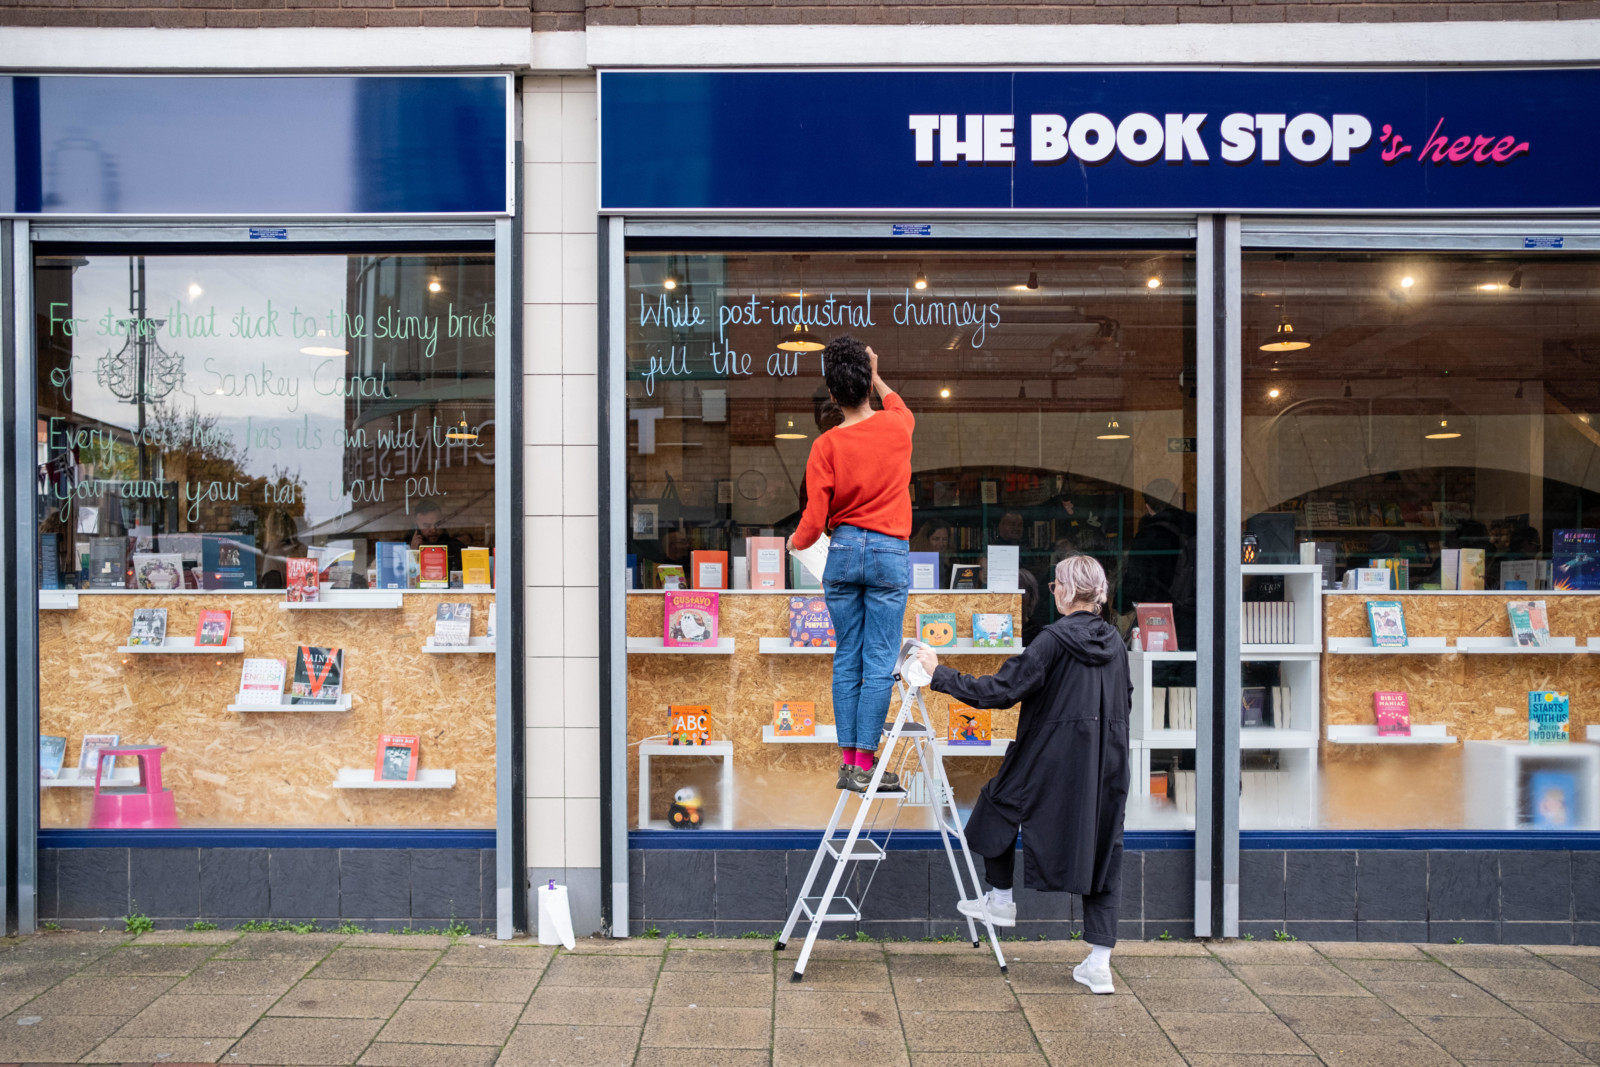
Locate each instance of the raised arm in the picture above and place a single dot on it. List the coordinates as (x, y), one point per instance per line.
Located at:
(877, 383)
(1017, 678)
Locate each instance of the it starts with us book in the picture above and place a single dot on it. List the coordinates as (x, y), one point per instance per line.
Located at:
(1548, 718)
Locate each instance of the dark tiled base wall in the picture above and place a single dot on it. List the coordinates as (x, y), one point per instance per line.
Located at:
(1327, 895)
(380, 888)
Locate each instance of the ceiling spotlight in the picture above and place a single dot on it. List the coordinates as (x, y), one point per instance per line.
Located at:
(1033, 279)
(1515, 281)
(921, 282)
(1153, 282)
(1489, 287)
(1407, 282)
(945, 393)
(1443, 433)
(801, 340)
(434, 286)
(669, 282)
(789, 433)
(194, 291)
(1273, 393)
(1113, 432)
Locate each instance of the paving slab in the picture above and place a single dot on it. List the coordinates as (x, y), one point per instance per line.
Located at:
(317, 998)
(838, 1048)
(580, 1006)
(1195, 995)
(57, 1037)
(602, 971)
(279, 944)
(1148, 948)
(1367, 950)
(864, 975)
(974, 1059)
(1046, 977)
(1279, 952)
(1108, 1049)
(220, 977)
(940, 1031)
(620, 946)
(376, 965)
(451, 1023)
(962, 966)
(1570, 1022)
(1378, 1050)
(521, 956)
(390, 1054)
(1314, 980)
(1513, 956)
(509, 985)
(1338, 1015)
(570, 1046)
(160, 1050)
(165, 960)
(727, 961)
(401, 942)
(1224, 1033)
(801, 1008)
(1121, 1014)
(1455, 997)
(703, 1057)
(124, 996)
(708, 1028)
(188, 937)
(1386, 970)
(1247, 1060)
(679, 989)
(954, 994)
(304, 1042)
(1514, 984)
(1167, 966)
(192, 1016)
(1515, 1040)
(1585, 967)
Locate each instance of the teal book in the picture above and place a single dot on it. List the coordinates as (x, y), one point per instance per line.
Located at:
(1548, 717)
(1388, 621)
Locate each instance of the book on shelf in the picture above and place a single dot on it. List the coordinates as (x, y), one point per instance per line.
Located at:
(434, 564)
(49, 562)
(966, 576)
(1552, 800)
(108, 563)
(794, 718)
(924, 570)
(228, 561)
(1281, 707)
(392, 565)
(1392, 712)
(671, 576)
(1387, 620)
(689, 724)
(1181, 706)
(452, 625)
(261, 681)
(739, 572)
(1575, 560)
(1001, 567)
(301, 584)
(339, 561)
(1472, 569)
(476, 571)
(689, 618)
(1267, 622)
(810, 625)
(413, 568)
(318, 675)
(1549, 716)
(766, 562)
(397, 758)
(936, 629)
(1367, 579)
(1521, 574)
(489, 632)
(801, 576)
(213, 628)
(1158, 707)
(1399, 571)
(149, 627)
(157, 570)
(632, 570)
(1253, 707)
(1324, 554)
(52, 754)
(1157, 631)
(1449, 568)
(969, 726)
(90, 752)
(710, 569)
(1530, 625)
(993, 630)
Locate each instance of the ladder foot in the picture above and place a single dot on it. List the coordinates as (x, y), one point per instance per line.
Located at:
(777, 946)
(795, 977)
(1003, 969)
(975, 944)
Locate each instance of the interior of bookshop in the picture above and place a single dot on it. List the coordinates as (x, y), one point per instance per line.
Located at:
(266, 538)
(1420, 546)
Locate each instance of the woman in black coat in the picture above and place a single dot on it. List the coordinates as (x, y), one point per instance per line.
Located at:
(1065, 777)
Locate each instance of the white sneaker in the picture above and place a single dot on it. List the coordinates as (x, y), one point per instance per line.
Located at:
(1098, 980)
(986, 908)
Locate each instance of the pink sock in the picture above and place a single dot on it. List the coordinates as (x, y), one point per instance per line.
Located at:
(865, 758)
(847, 756)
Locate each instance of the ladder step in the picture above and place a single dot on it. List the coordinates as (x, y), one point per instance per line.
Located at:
(864, 849)
(911, 728)
(809, 905)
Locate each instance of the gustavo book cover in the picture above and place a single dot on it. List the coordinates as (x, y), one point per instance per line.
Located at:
(690, 617)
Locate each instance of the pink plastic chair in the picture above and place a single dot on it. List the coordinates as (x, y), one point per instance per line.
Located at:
(152, 809)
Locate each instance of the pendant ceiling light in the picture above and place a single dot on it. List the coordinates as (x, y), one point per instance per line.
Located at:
(461, 432)
(1442, 432)
(801, 339)
(1113, 432)
(789, 433)
(1283, 338)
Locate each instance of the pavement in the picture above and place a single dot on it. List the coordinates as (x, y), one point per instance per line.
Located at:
(428, 1000)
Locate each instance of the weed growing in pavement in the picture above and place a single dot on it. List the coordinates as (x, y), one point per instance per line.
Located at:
(261, 926)
(200, 924)
(50, 928)
(347, 928)
(138, 924)
(1458, 941)
(1247, 937)
(1283, 935)
(458, 929)
(1076, 935)
(652, 933)
(754, 935)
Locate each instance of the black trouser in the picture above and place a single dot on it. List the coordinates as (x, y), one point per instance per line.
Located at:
(1099, 909)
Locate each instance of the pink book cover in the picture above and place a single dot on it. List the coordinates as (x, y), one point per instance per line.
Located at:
(690, 618)
(301, 579)
(766, 562)
(1393, 712)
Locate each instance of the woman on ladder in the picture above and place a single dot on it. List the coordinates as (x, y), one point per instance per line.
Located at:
(1065, 777)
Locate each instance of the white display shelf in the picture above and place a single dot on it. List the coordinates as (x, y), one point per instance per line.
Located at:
(1252, 737)
(1505, 646)
(361, 778)
(656, 646)
(478, 645)
(1414, 646)
(362, 600)
(58, 600)
(965, 647)
(722, 750)
(996, 748)
(1162, 657)
(1496, 774)
(240, 704)
(73, 778)
(185, 646)
(1592, 733)
(826, 734)
(780, 646)
(1367, 734)
(1264, 652)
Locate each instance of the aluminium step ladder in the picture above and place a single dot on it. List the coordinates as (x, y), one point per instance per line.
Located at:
(831, 905)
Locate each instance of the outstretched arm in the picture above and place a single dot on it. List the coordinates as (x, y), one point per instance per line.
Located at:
(877, 383)
(1019, 677)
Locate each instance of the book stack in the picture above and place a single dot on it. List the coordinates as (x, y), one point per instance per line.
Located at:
(1183, 791)
(1262, 798)
(1321, 513)
(1269, 622)
(1174, 706)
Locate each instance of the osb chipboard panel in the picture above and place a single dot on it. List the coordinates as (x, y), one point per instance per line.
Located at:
(275, 768)
(1477, 697)
(776, 785)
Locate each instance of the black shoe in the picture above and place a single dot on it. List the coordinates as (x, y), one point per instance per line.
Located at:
(844, 775)
(860, 779)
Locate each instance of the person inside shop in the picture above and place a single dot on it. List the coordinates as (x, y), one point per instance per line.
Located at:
(857, 483)
(1160, 567)
(1065, 777)
(1009, 530)
(430, 531)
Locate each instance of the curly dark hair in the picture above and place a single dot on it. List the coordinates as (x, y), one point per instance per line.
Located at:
(848, 371)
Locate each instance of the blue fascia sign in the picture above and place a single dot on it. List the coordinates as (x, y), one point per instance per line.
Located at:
(1435, 140)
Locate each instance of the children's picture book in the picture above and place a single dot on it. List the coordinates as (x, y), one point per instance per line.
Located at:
(969, 726)
(149, 627)
(671, 576)
(108, 563)
(937, 629)
(318, 675)
(689, 724)
(766, 562)
(1157, 631)
(52, 754)
(1530, 625)
(157, 570)
(801, 576)
(392, 565)
(1553, 800)
(1253, 707)
(810, 625)
(261, 681)
(228, 561)
(213, 628)
(300, 579)
(689, 618)
(452, 625)
(1472, 569)
(992, 630)
(1520, 574)
(1371, 579)
(397, 758)
(1548, 717)
(1574, 560)
(966, 576)
(1388, 621)
(92, 744)
(924, 570)
(794, 718)
(475, 569)
(710, 569)
(1392, 711)
(435, 563)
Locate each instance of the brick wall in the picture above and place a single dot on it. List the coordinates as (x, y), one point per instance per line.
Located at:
(251, 14)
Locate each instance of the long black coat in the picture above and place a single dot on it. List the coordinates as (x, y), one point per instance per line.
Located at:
(1065, 778)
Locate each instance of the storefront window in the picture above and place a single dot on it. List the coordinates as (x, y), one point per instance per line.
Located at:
(1418, 429)
(259, 477)
(1054, 397)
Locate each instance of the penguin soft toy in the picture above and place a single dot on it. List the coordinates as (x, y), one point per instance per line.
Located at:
(685, 813)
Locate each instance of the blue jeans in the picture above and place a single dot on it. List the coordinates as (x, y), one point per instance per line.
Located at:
(865, 585)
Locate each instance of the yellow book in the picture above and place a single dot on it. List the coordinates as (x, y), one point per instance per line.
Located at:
(475, 566)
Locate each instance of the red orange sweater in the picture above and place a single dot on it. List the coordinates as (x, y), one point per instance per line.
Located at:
(859, 475)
